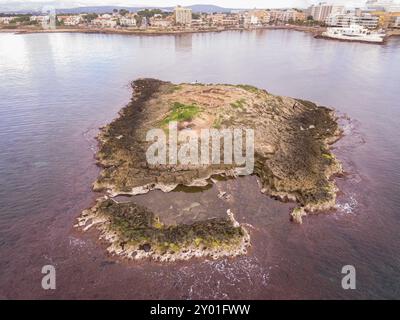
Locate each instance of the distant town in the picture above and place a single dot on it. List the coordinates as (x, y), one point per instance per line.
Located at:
(377, 14)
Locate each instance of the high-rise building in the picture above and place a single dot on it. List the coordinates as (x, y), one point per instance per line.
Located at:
(321, 11)
(183, 16)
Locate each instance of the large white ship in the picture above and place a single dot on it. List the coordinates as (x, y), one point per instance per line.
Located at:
(354, 33)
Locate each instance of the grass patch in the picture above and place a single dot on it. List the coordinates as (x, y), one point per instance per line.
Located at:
(238, 104)
(217, 123)
(175, 87)
(248, 88)
(327, 156)
(181, 112)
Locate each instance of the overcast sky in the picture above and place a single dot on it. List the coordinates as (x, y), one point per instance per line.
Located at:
(222, 3)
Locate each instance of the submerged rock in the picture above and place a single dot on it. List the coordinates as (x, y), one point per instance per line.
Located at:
(291, 145)
(298, 214)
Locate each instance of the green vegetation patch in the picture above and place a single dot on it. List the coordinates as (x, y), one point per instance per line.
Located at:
(138, 226)
(327, 156)
(238, 104)
(182, 112)
(174, 88)
(217, 123)
(248, 88)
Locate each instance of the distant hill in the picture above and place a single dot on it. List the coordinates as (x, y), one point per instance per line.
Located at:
(100, 9)
(208, 8)
(16, 7)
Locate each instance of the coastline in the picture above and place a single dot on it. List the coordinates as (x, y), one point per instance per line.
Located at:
(317, 32)
(154, 32)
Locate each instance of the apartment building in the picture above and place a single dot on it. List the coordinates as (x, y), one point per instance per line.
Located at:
(183, 16)
(72, 20)
(223, 19)
(323, 10)
(105, 21)
(293, 15)
(128, 21)
(344, 20)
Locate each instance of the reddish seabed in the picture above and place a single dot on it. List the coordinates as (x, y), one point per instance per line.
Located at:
(56, 97)
(283, 262)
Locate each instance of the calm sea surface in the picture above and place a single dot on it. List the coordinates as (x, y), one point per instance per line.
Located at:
(57, 89)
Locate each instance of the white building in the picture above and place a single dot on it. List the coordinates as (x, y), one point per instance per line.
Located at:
(71, 20)
(127, 22)
(321, 11)
(105, 21)
(183, 16)
(293, 15)
(223, 20)
(367, 20)
(40, 19)
(6, 20)
(338, 20)
(160, 22)
(253, 18)
(263, 16)
(344, 20)
(277, 15)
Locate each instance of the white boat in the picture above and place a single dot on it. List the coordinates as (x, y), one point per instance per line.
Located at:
(354, 33)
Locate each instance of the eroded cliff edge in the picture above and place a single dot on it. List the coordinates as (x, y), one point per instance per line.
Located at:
(292, 160)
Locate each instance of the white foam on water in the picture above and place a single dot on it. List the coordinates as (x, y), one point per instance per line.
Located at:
(75, 242)
(349, 206)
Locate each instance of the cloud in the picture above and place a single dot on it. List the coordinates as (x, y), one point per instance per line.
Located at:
(164, 3)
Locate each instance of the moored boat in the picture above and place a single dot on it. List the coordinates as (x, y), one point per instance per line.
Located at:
(354, 32)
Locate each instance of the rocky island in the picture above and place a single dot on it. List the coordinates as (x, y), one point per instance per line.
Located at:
(292, 160)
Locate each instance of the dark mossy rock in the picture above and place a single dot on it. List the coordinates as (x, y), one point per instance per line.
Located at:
(138, 226)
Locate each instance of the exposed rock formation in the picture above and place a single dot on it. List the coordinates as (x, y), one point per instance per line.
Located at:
(135, 232)
(292, 156)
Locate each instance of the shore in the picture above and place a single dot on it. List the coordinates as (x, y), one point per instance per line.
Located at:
(152, 32)
(317, 32)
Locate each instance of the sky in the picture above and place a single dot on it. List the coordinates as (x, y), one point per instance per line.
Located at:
(167, 3)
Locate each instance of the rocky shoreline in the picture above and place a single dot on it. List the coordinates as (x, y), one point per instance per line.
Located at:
(292, 160)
